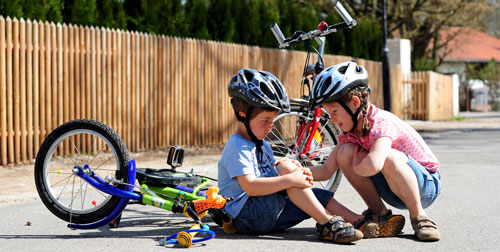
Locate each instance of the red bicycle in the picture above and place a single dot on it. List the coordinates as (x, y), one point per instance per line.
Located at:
(306, 133)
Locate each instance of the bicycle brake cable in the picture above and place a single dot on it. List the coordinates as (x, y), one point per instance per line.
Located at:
(304, 83)
(201, 176)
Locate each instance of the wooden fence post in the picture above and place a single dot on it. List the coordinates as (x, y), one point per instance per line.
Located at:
(10, 101)
(3, 94)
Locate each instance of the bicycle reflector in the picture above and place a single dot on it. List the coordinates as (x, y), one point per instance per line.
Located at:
(322, 25)
(175, 156)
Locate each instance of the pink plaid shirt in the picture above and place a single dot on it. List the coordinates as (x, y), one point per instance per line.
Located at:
(404, 137)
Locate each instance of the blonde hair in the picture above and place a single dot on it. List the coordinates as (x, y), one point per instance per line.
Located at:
(362, 93)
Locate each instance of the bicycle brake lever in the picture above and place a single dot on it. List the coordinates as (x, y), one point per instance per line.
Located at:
(294, 39)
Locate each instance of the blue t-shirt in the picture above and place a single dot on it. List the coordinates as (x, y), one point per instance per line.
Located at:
(239, 158)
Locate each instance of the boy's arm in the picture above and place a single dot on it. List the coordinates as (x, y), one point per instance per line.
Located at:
(258, 186)
(326, 170)
(371, 163)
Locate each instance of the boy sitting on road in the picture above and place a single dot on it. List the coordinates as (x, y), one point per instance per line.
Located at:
(272, 196)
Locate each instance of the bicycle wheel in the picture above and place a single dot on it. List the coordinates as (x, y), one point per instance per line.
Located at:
(75, 144)
(283, 140)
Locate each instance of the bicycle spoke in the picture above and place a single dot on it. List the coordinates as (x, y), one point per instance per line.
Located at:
(77, 152)
(94, 157)
(59, 172)
(97, 168)
(64, 187)
(68, 177)
(283, 144)
(91, 148)
(286, 131)
(102, 193)
(66, 154)
(77, 193)
(283, 141)
(84, 193)
(71, 202)
(109, 170)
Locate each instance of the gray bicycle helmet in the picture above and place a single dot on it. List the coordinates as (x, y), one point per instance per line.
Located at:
(334, 82)
(259, 89)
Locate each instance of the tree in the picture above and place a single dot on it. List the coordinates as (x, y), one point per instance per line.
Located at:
(421, 21)
(269, 14)
(49, 10)
(11, 8)
(135, 14)
(221, 25)
(110, 13)
(80, 12)
(196, 18)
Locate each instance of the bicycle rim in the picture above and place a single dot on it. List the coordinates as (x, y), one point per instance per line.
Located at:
(68, 191)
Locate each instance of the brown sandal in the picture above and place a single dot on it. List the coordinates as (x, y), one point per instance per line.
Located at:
(373, 225)
(425, 228)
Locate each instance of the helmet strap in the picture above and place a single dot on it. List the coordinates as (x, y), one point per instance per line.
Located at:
(246, 121)
(354, 116)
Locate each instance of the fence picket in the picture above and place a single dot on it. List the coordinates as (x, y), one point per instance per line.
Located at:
(3, 94)
(17, 95)
(29, 89)
(10, 101)
(22, 93)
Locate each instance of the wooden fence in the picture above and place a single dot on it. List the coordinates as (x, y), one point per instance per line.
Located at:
(427, 96)
(155, 91)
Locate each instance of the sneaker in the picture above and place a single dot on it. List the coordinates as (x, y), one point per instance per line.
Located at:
(374, 226)
(425, 228)
(338, 231)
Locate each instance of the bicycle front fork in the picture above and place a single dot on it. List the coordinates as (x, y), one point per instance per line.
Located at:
(313, 136)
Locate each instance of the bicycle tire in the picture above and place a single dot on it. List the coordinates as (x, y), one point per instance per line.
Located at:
(77, 143)
(283, 138)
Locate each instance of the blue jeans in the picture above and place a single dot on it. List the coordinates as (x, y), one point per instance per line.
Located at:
(429, 185)
(274, 212)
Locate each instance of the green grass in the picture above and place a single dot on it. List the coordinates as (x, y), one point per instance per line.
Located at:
(459, 118)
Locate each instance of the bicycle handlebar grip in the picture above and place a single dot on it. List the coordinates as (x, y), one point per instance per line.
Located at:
(343, 13)
(339, 26)
(278, 34)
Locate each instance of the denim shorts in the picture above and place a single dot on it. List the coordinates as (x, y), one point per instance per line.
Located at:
(429, 185)
(274, 212)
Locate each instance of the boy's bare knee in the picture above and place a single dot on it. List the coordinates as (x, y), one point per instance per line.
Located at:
(286, 168)
(344, 156)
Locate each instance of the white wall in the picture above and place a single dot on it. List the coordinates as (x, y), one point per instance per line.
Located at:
(456, 85)
(400, 53)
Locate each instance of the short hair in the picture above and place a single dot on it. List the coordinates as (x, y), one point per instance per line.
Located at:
(239, 105)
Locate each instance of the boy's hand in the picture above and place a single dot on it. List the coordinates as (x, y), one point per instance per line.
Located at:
(301, 179)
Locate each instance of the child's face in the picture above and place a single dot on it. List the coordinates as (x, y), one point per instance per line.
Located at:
(262, 123)
(339, 115)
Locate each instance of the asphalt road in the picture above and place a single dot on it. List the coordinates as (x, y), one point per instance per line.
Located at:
(466, 213)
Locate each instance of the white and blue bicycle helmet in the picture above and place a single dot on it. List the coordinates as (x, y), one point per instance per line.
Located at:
(334, 82)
